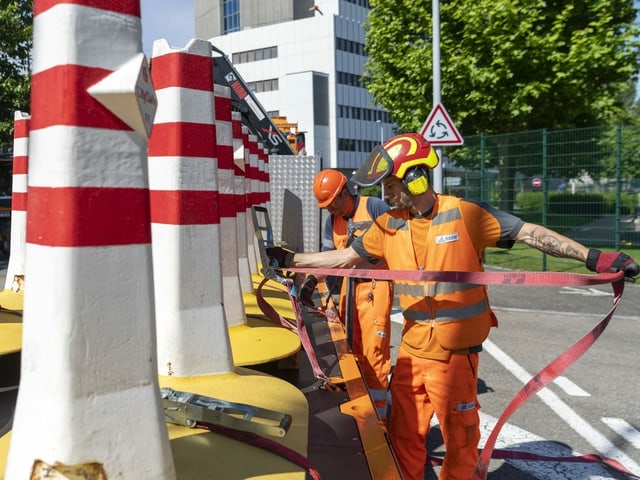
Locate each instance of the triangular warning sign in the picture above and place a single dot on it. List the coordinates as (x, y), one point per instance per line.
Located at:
(439, 129)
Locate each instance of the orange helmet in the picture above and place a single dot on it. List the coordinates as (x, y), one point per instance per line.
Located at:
(327, 185)
(410, 150)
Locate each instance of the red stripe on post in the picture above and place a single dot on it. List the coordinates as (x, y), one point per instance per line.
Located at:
(19, 201)
(59, 97)
(127, 7)
(184, 207)
(225, 156)
(182, 139)
(20, 128)
(88, 216)
(20, 165)
(182, 70)
(223, 108)
(227, 205)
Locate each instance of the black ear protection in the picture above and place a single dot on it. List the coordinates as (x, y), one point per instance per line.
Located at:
(417, 180)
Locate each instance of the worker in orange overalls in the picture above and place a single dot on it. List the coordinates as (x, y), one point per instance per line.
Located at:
(444, 323)
(350, 215)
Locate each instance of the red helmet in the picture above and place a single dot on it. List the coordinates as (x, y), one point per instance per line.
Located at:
(410, 150)
(327, 185)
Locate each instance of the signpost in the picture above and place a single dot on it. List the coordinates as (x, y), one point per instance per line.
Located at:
(438, 129)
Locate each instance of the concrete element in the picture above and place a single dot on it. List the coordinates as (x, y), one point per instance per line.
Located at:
(244, 271)
(231, 291)
(191, 328)
(88, 337)
(18, 197)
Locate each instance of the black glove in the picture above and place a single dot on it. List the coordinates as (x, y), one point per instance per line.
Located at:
(610, 262)
(307, 288)
(279, 257)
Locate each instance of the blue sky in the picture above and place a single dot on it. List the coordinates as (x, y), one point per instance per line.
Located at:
(170, 19)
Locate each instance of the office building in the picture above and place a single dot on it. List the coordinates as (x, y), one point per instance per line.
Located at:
(304, 60)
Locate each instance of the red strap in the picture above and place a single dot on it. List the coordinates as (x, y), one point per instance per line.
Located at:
(264, 443)
(546, 376)
(300, 327)
(480, 278)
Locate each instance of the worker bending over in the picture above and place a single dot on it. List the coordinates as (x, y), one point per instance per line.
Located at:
(350, 215)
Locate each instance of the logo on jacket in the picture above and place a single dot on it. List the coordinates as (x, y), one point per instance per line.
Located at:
(449, 237)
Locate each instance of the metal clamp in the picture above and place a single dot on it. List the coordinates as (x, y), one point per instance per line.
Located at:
(189, 409)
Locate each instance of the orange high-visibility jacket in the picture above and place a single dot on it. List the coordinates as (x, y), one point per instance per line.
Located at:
(440, 318)
(344, 230)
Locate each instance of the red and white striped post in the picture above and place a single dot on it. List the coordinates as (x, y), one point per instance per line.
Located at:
(18, 197)
(227, 200)
(244, 270)
(88, 400)
(263, 168)
(250, 184)
(191, 328)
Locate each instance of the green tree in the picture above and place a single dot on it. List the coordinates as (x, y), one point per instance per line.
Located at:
(507, 65)
(16, 29)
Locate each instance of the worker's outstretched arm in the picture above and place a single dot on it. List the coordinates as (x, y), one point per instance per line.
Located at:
(548, 241)
(343, 258)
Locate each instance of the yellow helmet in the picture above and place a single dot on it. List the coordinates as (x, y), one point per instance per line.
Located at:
(410, 150)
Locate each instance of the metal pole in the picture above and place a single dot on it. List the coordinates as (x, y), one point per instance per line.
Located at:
(435, 8)
(379, 122)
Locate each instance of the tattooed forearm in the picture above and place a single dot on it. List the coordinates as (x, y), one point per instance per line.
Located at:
(554, 244)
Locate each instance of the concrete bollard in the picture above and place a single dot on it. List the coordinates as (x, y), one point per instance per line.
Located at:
(263, 168)
(88, 402)
(191, 327)
(232, 293)
(251, 185)
(14, 281)
(244, 271)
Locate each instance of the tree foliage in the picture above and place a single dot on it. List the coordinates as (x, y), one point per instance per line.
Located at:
(16, 29)
(506, 65)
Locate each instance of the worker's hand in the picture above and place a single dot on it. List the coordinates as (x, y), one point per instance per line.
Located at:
(279, 257)
(307, 288)
(606, 262)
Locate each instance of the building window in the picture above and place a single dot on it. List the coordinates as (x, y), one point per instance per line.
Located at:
(231, 16)
(263, 85)
(350, 46)
(254, 55)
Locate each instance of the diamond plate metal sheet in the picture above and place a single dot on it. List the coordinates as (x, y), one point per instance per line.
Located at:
(294, 215)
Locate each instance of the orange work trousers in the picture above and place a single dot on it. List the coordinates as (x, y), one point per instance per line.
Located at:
(421, 387)
(371, 338)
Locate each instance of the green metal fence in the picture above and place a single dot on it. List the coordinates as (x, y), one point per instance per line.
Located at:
(583, 183)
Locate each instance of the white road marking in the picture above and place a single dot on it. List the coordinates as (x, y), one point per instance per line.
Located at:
(601, 443)
(586, 292)
(570, 388)
(515, 439)
(623, 429)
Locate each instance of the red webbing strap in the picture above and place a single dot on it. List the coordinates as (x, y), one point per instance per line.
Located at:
(264, 443)
(545, 376)
(480, 278)
(300, 327)
(268, 310)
